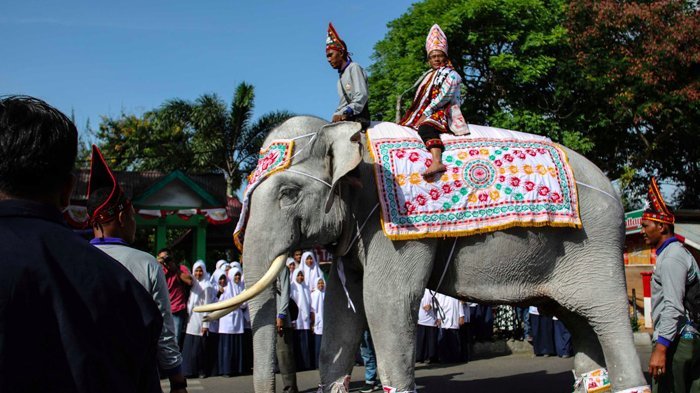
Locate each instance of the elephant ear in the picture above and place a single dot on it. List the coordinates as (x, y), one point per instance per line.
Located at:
(343, 150)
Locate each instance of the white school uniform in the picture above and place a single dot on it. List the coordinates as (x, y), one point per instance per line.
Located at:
(317, 298)
(426, 318)
(199, 295)
(302, 297)
(451, 311)
(233, 323)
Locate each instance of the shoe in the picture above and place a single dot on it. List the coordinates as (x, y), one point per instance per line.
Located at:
(369, 388)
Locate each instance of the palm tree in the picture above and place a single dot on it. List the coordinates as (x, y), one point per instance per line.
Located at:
(221, 138)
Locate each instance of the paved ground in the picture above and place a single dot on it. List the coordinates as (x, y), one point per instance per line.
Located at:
(520, 373)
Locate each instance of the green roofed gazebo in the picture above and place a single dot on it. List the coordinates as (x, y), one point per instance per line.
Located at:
(195, 202)
(177, 201)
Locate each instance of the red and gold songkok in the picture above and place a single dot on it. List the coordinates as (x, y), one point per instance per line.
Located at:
(657, 209)
(101, 177)
(333, 40)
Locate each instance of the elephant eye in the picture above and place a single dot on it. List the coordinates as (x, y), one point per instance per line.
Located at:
(288, 196)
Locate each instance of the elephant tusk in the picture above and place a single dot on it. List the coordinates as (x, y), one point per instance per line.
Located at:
(212, 316)
(266, 280)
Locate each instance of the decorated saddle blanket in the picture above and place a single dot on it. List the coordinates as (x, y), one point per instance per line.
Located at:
(495, 179)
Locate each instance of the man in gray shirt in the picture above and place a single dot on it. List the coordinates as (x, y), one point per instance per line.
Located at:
(285, 344)
(352, 82)
(113, 222)
(675, 360)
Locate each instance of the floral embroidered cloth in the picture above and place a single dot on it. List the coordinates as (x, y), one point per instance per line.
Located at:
(490, 184)
(276, 157)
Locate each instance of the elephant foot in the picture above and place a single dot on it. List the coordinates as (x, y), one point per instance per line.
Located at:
(638, 389)
(340, 386)
(598, 380)
(389, 389)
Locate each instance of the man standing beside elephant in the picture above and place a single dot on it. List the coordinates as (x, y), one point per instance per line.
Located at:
(675, 360)
(112, 218)
(285, 334)
(352, 82)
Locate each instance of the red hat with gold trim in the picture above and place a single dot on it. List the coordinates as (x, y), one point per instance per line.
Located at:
(333, 40)
(657, 209)
(102, 177)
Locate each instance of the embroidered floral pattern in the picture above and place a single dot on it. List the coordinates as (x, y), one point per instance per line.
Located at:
(489, 185)
(275, 158)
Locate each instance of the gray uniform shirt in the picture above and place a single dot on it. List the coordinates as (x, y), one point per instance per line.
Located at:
(149, 273)
(354, 81)
(675, 267)
(283, 295)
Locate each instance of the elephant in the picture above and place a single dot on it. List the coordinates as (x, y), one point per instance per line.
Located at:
(327, 197)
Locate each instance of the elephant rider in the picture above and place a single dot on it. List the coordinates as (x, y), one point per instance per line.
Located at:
(675, 361)
(113, 223)
(435, 107)
(352, 82)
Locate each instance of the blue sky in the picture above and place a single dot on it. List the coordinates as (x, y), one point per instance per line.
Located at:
(101, 58)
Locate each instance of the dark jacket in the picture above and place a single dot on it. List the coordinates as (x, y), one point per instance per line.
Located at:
(72, 319)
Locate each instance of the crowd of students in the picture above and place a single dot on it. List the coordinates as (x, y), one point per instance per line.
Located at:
(448, 329)
(224, 347)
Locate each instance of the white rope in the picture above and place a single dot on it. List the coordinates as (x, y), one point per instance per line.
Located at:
(360, 228)
(341, 275)
(311, 176)
(434, 301)
(341, 268)
(307, 143)
(447, 264)
(598, 189)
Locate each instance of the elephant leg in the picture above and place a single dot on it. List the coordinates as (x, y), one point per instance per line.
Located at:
(342, 330)
(605, 311)
(589, 353)
(394, 283)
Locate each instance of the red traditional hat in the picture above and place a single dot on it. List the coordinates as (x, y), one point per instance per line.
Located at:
(102, 177)
(657, 209)
(333, 40)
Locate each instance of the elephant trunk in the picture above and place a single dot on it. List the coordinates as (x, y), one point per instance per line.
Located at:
(263, 312)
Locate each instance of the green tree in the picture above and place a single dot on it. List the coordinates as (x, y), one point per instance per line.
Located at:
(639, 61)
(508, 52)
(199, 135)
(224, 139)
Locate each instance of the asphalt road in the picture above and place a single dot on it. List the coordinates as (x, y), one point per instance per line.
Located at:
(522, 373)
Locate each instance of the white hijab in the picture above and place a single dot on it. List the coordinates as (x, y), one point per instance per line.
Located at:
(198, 291)
(219, 263)
(302, 297)
(311, 273)
(233, 289)
(237, 265)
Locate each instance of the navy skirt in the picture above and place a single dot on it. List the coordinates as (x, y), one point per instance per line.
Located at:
(449, 349)
(211, 354)
(303, 349)
(247, 351)
(562, 340)
(426, 343)
(230, 354)
(542, 334)
(193, 356)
